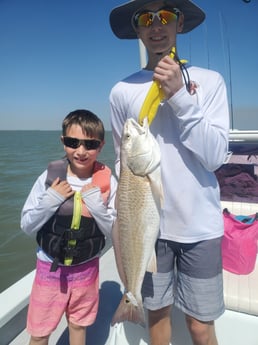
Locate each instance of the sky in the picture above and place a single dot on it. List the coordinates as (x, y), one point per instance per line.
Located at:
(57, 56)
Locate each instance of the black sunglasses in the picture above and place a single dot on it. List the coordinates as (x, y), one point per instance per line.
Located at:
(74, 143)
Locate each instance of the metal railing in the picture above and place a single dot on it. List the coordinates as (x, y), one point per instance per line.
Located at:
(243, 135)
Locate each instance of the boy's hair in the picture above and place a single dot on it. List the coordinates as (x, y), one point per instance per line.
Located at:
(91, 125)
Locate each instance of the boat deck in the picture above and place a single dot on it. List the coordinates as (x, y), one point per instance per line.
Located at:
(232, 328)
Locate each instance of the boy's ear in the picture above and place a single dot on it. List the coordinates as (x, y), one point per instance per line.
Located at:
(101, 145)
(180, 23)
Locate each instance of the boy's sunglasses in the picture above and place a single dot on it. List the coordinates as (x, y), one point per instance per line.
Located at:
(74, 143)
(146, 18)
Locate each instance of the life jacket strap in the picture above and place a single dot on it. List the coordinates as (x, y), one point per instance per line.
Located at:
(76, 221)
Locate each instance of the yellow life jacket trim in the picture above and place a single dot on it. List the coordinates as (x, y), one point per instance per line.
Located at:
(76, 221)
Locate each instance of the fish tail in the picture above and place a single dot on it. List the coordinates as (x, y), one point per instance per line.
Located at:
(129, 309)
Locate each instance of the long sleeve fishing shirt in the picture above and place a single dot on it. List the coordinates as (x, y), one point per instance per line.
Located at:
(192, 132)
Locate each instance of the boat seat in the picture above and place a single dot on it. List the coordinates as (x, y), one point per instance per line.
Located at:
(241, 291)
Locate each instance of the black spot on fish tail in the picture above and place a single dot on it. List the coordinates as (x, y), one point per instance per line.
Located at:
(127, 311)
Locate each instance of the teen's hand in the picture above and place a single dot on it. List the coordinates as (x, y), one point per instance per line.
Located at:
(62, 187)
(168, 74)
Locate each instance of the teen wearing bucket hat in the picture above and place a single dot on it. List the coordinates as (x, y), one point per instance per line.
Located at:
(121, 17)
(191, 126)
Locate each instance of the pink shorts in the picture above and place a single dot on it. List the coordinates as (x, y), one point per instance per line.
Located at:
(73, 290)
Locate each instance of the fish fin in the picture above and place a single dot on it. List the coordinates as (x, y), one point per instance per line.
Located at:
(152, 265)
(129, 309)
(117, 251)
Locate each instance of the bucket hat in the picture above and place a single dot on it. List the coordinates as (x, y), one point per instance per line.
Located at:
(121, 17)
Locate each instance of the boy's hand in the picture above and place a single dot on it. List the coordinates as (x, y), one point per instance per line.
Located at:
(87, 187)
(62, 187)
(169, 76)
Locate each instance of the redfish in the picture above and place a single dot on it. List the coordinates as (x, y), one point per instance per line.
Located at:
(138, 201)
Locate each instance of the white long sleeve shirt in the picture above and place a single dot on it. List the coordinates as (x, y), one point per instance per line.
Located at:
(192, 131)
(41, 205)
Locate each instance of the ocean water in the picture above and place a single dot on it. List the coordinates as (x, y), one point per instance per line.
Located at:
(24, 156)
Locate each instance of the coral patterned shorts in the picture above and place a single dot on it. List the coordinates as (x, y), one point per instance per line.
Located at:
(73, 290)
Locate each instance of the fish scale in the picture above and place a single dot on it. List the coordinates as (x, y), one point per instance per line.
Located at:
(137, 205)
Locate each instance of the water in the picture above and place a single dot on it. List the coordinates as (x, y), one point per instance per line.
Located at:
(24, 156)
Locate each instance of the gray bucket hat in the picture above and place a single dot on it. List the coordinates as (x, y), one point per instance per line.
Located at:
(121, 17)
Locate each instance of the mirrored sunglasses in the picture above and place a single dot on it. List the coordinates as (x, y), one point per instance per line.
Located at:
(74, 143)
(165, 16)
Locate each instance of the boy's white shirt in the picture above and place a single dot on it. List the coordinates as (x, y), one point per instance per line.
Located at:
(41, 205)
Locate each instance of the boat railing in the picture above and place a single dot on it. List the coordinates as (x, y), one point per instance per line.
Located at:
(243, 135)
(14, 302)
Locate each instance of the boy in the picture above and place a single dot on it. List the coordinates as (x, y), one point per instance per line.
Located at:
(191, 126)
(70, 209)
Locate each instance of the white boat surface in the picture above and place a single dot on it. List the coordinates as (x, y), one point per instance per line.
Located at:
(234, 327)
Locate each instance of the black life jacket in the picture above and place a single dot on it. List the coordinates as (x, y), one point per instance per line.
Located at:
(56, 235)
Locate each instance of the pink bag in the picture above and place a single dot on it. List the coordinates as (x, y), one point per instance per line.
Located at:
(239, 243)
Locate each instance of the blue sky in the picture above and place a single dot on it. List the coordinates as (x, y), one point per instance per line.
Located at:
(60, 55)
